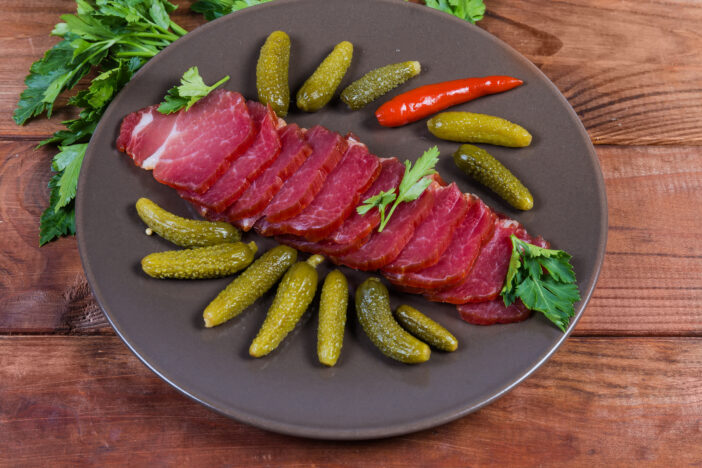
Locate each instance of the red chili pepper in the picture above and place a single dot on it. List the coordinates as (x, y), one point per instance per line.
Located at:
(430, 99)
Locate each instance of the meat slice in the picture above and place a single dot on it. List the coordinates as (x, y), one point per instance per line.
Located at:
(432, 237)
(473, 231)
(257, 158)
(487, 277)
(293, 153)
(335, 201)
(383, 247)
(299, 190)
(494, 311)
(326, 248)
(358, 227)
(197, 148)
(143, 132)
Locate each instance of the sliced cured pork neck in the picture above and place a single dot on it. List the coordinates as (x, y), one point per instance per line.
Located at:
(237, 162)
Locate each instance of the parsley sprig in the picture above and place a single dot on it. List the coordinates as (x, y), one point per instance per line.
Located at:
(413, 184)
(114, 38)
(544, 281)
(469, 10)
(213, 9)
(192, 88)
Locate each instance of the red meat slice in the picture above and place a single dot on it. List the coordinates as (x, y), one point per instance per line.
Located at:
(358, 227)
(197, 148)
(257, 158)
(473, 231)
(143, 132)
(432, 237)
(335, 201)
(249, 207)
(323, 247)
(487, 277)
(494, 311)
(299, 190)
(384, 247)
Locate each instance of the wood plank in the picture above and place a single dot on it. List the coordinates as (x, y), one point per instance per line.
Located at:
(598, 401)
(651, 282)
(41, 289)
(626, 90)
(25, 29)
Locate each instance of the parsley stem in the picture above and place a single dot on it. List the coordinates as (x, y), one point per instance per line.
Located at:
(177, 29)
(170, 37)
(134, 54)
(385, 221)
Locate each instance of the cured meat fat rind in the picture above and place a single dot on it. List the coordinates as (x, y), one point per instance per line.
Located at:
(236, 161)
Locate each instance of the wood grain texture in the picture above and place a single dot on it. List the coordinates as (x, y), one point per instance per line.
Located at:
(651, 283)
(618, 401)
(25, 29)
(42, 289)
(627, 90)
(632, 70)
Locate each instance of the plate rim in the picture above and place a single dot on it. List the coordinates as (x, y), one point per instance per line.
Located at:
(394, 429)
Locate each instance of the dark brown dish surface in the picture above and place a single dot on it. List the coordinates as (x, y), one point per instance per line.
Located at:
(366, 395)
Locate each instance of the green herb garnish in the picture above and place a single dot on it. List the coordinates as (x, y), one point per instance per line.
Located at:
(213, 9)
(192, 88)
(469, 10)
(543, 279)
(113, 38)
(413, 184)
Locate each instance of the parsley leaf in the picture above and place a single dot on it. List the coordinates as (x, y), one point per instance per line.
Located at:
(469, 10)
(56, 222)
(213, 9)
(413, 184)
(112, 38)
(543, 279)
(192, 88)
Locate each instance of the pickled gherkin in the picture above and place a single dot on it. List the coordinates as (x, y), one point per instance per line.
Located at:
(184, 232)
(319, 88)
(375, 316)
(214, 261)
(332, 317)
(467, 127)
(483, 167)
(294, 295)
(272, 73)
(250, 285)
(425, 328)
(377, 82)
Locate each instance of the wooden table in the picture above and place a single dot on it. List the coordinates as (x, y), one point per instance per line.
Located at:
(625, 388)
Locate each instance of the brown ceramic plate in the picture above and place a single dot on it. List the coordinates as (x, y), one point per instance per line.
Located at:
(366, 395)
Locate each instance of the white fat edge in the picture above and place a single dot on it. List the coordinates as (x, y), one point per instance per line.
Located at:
(146, 119)
(151, 161)
(352, 141)
(279, 123)
(508, 223)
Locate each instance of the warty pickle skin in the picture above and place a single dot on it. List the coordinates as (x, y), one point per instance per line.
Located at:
(294, 295)
(272, 73)
(483, 167)
(214, 261)
(378, 82)
(375, 316)
(468, 127)
(319, 88)
(184, 232)
(258, 278)
(425, 328)
(333, 305)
